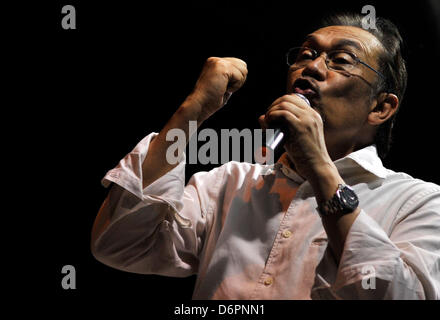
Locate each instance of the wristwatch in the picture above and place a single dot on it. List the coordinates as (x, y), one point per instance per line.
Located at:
(344, 201)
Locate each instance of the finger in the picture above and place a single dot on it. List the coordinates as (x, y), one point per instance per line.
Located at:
(292, 98)
(282, 117)
(237, 79)
(262, 122)
(238, 63)
(290, 107)
(238, 75)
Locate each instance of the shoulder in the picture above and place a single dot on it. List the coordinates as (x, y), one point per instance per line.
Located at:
(406, 181)
(415, 192)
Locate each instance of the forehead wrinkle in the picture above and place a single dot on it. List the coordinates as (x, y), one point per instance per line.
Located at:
(336, 43)
(369, 44)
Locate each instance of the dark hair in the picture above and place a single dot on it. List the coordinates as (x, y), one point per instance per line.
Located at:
(391, 65)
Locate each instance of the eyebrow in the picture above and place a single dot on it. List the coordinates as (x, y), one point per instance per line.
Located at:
(340, 44)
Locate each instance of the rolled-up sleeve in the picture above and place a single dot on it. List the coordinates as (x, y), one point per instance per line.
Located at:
(159, 229)
(402, 265)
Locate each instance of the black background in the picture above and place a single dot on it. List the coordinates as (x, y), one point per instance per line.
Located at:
(127, 67)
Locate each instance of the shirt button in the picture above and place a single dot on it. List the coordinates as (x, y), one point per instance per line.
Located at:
(287, 234)
(268, 281)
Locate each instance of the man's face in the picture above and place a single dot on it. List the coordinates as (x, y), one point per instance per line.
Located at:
(342, 100)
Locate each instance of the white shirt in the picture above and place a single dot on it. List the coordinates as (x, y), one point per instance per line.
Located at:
(252, 231)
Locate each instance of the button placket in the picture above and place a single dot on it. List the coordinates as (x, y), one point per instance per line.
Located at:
(284, 225)
(266, 279)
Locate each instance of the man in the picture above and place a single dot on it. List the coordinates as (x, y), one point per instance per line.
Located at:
(327, 221)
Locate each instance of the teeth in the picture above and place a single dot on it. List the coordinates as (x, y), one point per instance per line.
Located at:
(304, 86)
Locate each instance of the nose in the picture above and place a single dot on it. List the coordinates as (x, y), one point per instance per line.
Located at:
(316, 68)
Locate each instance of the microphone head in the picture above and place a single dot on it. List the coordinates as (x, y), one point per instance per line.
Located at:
(303, 97)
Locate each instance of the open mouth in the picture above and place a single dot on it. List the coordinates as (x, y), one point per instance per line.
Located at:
(306, 88)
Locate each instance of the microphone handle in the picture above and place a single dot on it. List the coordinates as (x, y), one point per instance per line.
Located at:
(274, 141)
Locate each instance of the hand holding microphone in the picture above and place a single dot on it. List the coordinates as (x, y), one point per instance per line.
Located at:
(275, 140)
(305, 144)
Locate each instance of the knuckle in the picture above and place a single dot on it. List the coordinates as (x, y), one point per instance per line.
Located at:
(312, 122)
(308, 122)
(270, 115)
(317, 120)
(237, 61)
(242, 62)
(217, 63)
(284, 105)
(212, 60)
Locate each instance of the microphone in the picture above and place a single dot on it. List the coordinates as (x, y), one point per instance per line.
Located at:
(278, 135)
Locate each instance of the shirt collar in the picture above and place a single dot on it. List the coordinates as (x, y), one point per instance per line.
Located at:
(283, 164)
(366, 159)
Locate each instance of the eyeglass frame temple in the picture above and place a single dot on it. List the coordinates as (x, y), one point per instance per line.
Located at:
(371, 68)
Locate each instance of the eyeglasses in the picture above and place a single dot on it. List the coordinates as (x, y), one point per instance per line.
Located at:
(342, 61)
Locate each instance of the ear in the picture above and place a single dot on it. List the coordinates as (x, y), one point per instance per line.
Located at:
(386, 107)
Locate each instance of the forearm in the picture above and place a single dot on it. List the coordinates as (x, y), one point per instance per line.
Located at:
(219, 78)
(325, 184)
(337, 229)
(155, 164)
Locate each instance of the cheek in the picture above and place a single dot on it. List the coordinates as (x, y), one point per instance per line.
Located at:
(350, 89)
(345, 106)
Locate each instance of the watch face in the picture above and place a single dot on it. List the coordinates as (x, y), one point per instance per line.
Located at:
(349, 198)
